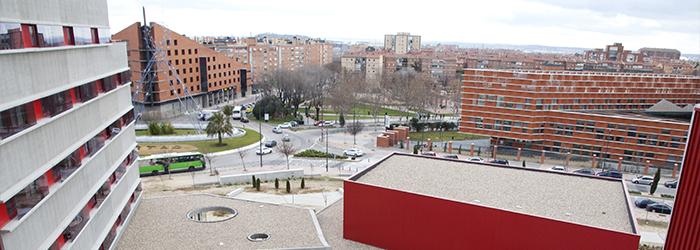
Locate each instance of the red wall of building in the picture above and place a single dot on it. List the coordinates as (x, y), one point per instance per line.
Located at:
(684, 230)
(393, 219)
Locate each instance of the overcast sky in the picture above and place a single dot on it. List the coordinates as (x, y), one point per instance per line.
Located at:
(577, 23)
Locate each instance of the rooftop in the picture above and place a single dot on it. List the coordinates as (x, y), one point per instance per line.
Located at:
(630, 114)
(161, 223)
(585, 200)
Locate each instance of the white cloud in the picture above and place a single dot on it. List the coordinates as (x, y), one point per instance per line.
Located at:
(545, 22)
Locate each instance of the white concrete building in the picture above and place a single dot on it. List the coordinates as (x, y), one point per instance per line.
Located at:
(67, 144)
(402, 42)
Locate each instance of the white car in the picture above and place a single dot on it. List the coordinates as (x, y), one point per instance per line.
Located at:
(328, 123)
(353, 152)
(285, 125)
(264, 151)
(646, 180)
(277, 130)
(558, 168)
(475, 159)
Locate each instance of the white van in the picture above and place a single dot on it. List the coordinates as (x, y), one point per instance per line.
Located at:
(237, 112)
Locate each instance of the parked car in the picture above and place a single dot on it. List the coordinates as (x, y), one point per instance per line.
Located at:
(586, 171)
(318, 123)
(353, 152)
(285, 125)
(451, 156)
(328, 123)
(277, 130)
(661, 208)
(263, 151)
(558, 168)
(285, 138)
(501, 162)
(646, 180)
(429, 153)
(610, 173)
(270, 143)
(475, 159)
(671, 184)
(643, 202)
(244, 119)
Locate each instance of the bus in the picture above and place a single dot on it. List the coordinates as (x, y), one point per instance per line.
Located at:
(237, 112)
(171, 163)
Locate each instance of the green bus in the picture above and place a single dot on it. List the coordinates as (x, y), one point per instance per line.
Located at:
(171, 163)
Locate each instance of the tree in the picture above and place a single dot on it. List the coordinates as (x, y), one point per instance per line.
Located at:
(257, 184)
(228, 111)
(242, 153)
(418, 127)
(524, 164)
(341, 120)
(253, 181)
(459, 149)
(289, 187)
(355, 128)
(219, 125)
(153, 128)
(277, 183)
(655, 183)
(287, 148)
(303, 185)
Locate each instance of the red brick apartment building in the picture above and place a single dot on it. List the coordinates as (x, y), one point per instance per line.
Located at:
(610, 115)
(208, 76)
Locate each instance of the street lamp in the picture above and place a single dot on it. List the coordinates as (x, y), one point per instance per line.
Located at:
(262, 113)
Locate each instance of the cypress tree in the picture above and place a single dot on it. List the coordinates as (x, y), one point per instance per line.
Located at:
(655, 183)
(289, 188)
(257, 183)
(302, 183)
(253, 181)
(277, 183)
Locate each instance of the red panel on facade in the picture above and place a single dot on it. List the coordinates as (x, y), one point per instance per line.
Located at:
(684, 230)
(393, 219)
(4, 215)
(28, 33)
(38, 113)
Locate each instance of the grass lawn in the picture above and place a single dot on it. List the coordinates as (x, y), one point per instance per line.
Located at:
(177, 132)
(362, 109)
(445, 136)
(208, 146)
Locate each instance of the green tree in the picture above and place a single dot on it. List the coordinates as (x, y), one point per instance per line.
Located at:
(277, 183)
(415, 149)
(228, 111)
(289, 187)
(219, 125)
(257, 184)
(303, 185)
(253, 181)
(153, 128)
(166, 128)
(341, 120)
(655, 183)
(459, 149)
(524, 164)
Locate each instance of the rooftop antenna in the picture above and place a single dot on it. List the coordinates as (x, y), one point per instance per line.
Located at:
(143, 8)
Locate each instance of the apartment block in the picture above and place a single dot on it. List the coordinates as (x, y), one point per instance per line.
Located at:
(662, 53)
(635, 118)
(266, 55)
(67, 143)
(181, 74)
(402, 42)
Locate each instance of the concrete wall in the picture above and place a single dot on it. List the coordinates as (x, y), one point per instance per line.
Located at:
(56, 211)
(45, 71)
(393, 219)
(263, 176)
(53, 139)
(67, 12)
(101, 222)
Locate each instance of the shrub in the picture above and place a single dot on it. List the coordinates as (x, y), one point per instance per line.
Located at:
(153, 128)
(277, 183)
(318, 154)
(667, 196)
(289, 188)
(415, 149)
(254, 184)
(257, 184)
(303, 185)
(166, 128)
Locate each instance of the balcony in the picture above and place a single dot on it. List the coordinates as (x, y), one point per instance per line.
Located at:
(67, 131)
(57, 211)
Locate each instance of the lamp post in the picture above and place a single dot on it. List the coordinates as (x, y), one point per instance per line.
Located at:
(619, 164)
(675, 169)
(646, 167)
(262, 113)
(593, 163)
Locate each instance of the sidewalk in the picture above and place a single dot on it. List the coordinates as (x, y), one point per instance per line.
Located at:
(310, 200)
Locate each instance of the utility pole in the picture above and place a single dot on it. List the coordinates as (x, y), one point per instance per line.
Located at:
(261, 115)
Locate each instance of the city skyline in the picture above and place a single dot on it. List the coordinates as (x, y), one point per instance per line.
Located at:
(585, 24)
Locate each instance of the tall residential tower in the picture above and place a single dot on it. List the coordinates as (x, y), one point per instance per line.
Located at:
(67, 143)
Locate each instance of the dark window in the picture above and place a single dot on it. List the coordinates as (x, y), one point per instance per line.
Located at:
(68, 37)
(175, 52)
(10, 36)
(86, 92)
(175, 42)
(95, 36)
(56, 103)
(195, 51)
(189, 52)
(109, 83)
(16, 119)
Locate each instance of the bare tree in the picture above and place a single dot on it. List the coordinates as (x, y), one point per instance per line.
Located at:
(242, 154)
(354, 128)
(287, 148)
